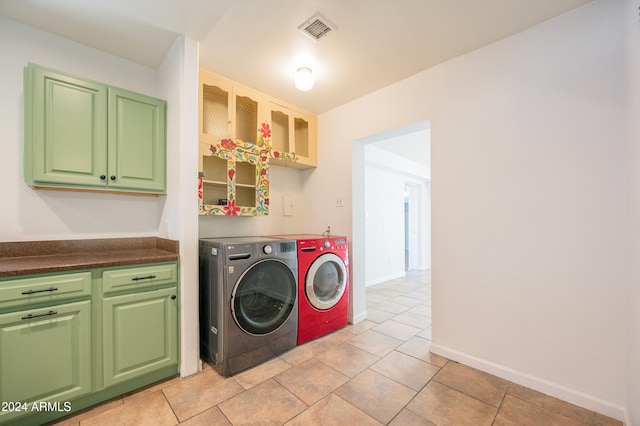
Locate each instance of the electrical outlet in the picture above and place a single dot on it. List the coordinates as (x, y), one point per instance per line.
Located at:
(339, 202)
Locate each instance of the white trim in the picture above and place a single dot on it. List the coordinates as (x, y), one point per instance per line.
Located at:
(421, 268)
(553, 389)
(360, 317)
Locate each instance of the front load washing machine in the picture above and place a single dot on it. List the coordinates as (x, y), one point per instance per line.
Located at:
(248, 301)
(323, 284)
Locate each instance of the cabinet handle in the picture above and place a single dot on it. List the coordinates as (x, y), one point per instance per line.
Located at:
(174, 297)
(148, 277)
(102, 177)
(113, 177)
(48, 314)
(40, 291)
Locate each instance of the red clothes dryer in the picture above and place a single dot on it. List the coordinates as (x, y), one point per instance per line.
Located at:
(323, 284)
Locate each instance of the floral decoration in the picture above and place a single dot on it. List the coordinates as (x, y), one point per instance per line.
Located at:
(257, 154)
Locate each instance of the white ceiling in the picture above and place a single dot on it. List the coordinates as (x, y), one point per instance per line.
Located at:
(257, 42)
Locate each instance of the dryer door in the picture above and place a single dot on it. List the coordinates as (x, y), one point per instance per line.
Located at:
(264, 297)
(326, 281)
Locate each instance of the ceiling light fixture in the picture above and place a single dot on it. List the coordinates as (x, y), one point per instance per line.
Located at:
(304, 79)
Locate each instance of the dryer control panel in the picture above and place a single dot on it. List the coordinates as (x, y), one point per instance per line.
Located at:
(332, 244)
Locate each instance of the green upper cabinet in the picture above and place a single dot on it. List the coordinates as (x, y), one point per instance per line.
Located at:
(84, 135)
(65, 129)
(137, 148)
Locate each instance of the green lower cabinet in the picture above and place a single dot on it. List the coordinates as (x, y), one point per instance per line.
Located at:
(72, 340)
(140, 334)
(45, 357)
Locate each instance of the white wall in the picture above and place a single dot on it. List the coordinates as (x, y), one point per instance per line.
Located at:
(40, 215)
(529, 197)
(633, 297)
(384, 220)
(385, 176)
(179, 81)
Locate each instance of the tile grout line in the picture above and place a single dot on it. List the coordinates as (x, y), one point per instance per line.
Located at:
(170, 406)
(406, 406)
(501, 403)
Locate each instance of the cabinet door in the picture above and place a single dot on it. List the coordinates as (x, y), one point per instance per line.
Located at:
(65, 129)
(140, 334)
(215, 108)
(293, 132)
(238, 186)
(281, 119)
(305, 131)
(227, 110)
(45, 354)
(247, 113)
(304, 128)
(213, 187)
(137, 148)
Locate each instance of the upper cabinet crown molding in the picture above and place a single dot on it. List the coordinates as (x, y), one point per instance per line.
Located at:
(85, 135)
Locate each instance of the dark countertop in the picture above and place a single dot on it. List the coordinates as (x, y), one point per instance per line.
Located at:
(38, 257)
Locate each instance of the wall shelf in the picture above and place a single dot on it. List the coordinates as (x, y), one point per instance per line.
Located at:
(242, 131)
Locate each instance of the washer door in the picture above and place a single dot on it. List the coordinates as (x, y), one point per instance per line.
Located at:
(264, 297)
(326, 281)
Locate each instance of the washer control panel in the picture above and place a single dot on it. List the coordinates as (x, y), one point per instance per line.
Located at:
(331, 244)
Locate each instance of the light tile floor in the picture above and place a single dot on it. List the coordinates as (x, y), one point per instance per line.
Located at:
(379, 371)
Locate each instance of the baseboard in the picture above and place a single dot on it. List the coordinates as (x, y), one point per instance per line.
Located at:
(357, 318)
(387, 278)
(553, 389)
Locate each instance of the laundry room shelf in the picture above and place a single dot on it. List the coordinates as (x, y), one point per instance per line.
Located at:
(242, 132)
(233, 179)
(229, 110)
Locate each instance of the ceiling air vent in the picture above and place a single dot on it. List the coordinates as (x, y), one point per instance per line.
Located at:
(317, 27)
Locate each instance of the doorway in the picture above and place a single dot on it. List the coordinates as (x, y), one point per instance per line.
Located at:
(386, 166)
(411, 226)
(417, 204)
(382, 165)
(396, 174)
